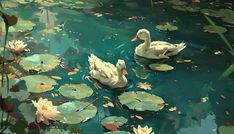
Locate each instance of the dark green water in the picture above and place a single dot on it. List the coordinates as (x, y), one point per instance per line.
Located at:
(109, 37)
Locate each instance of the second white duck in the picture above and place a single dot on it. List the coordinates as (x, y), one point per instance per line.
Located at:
(108, 74)
(155, 49)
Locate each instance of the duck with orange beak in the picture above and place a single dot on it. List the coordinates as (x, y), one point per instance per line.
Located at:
(155, 49)
(108, 74)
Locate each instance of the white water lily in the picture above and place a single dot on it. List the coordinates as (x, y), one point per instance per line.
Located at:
(143, 130)
(45, 110)
(16, 46)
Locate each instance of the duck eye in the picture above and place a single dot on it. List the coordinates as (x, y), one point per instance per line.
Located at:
(140, 33)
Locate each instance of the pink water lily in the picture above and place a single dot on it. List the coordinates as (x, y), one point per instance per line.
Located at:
(16, 46)
(45, 110)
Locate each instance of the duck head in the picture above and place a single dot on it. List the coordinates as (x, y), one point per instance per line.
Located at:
(122, 67)
(142, 34)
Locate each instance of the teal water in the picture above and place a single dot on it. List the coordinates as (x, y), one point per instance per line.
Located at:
(109, 37)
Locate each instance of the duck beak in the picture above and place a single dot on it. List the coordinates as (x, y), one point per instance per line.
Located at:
(124, 71)
(136, 38)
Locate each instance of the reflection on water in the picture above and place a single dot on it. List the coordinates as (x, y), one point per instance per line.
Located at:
(203, 101)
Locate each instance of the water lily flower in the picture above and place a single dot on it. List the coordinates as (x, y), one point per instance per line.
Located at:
(45, 110)
(143, 130)
(16, 46)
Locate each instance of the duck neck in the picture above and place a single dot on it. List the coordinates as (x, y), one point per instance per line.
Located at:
(147, 43)
(120, 74)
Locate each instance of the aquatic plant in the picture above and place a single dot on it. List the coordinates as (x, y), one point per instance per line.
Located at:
(16, 46)
(142, 130)
(45, 110)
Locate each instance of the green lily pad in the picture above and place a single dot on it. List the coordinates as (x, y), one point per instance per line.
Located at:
(141, 73)
(76, 112)
(141, 101)
(161, 67)
(24, 1)
(226, 13)
(20, 95)
(215, 29)
(210, 12)
(177, 2)
(226, 129)
(38, 83)
(28, 111)
(179, 8)
(186, 8)
(229, 20)
(115, 120)
(39, 62)
(21, 26)
(76, 91)
(56, 131)
(118, 132)
(167, 27)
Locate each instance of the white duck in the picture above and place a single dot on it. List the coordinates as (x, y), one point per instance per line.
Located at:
(108, 74)
(155, 49)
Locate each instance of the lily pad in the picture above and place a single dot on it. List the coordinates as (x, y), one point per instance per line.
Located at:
(177, 2)
(229, 20)
(226, 130)
(141, 73)
(161, 67)
(39, 62)
(115, 120)
(167, 27)
(141, 101)
(20, 95)
(56, 131)
(21, 26)
(76, 91)
(186, 8)
(179, 8)
(24, 1)
(28, 111)
(118, 132)
(226, 13)
(210, 12)
(215, 29)
(39, 83)
(76, 112)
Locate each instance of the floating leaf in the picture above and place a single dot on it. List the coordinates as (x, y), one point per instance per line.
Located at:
(226, 129)
(139, 117)
(177, 2)
(21, 26)
(56, 77)
(108, 104)
(167, 27)
(226, 13)
(228, 71)
(141, 73)
(38, 83)
(28, 111)
(20, 95)
(76, 91)
(24, 1)
(229, 20)
(118, 132)
(215, 29)
(161, 67)
(56, 131)
(141, 101)
(210, 12)
(115, 120)
(39, 62)
(111, 127)
(76, 112)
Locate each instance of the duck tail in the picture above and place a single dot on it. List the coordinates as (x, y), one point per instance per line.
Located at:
(180, 47)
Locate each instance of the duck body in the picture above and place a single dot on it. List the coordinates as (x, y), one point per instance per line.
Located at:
(155, 49)
(108, 74)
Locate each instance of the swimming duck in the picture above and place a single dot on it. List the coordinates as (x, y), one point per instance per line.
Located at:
(108, 74)
(155, 49)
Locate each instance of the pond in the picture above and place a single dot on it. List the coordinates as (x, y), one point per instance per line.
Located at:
(51, 89)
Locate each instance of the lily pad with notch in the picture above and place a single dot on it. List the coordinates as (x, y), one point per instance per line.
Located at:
(76, 91)
(39, 62)
(38, 83)
(141, 101)
(76, 112)
(115, 120)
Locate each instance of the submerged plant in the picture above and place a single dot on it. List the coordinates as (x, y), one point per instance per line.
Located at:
(45, 111)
